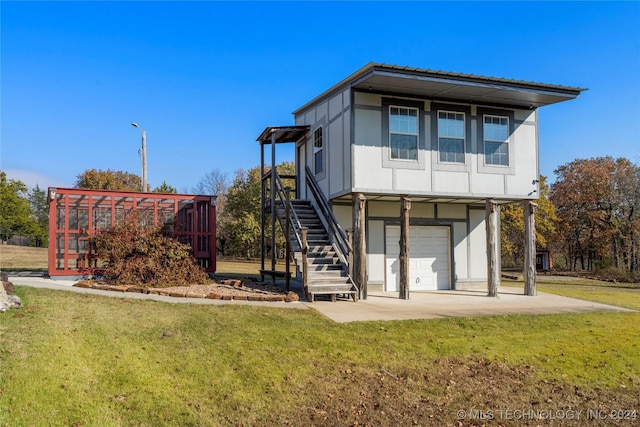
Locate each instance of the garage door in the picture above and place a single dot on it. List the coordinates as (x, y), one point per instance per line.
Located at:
(429, 259)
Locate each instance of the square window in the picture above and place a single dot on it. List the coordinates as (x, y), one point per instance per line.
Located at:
(404, 147)
(451, 150)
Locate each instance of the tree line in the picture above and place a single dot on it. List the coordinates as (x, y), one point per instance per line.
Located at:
(589, 218)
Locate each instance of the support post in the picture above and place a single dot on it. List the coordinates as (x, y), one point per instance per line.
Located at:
(287, 238)
(273, 206)
(359, 245)
(493, 253)
(305, 250)
(404, 247)
(529, 273)
(263, 200)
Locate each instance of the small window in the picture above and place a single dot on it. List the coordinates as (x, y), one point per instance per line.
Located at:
(403, 133)
(317, 151)
(451, 137)
(496, 140)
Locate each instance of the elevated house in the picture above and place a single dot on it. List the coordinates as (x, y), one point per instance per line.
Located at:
(400, 174)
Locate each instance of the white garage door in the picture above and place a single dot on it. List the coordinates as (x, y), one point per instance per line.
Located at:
(429, 260)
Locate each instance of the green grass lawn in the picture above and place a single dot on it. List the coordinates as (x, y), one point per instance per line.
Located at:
(619, 294)
(76, 359)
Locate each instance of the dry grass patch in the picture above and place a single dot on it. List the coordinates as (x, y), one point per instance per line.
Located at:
(23, 258)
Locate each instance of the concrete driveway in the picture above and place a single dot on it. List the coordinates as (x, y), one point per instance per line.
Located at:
(385, 305)
(463, 303)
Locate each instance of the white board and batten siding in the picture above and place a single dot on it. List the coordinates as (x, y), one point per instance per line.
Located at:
(334, 117)
(373, 172)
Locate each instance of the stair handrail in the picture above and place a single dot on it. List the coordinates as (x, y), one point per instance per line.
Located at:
(340, 237)
(296, 225)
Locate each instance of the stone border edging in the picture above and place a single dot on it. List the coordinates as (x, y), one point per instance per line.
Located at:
(289, 297)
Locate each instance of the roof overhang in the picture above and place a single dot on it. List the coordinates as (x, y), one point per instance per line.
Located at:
(280, 134)
(441, 85)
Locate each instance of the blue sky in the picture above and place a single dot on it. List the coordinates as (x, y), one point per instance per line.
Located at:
(205, 78)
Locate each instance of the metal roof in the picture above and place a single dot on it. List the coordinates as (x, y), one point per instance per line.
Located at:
(283, 134)
(444, 85)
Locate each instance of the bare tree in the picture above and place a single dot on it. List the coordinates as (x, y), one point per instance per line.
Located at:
(214, 182)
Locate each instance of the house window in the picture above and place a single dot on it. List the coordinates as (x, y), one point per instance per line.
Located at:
(403, 133)
(451, 136)
(317, 151)
(496, 140)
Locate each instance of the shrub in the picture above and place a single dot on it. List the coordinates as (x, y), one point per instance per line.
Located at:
(147, 256)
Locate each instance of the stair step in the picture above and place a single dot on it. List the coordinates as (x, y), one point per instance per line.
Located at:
(327, 269)
(322, 254)
(331, 288)
(316, 231)
(323, 260)
(327, 275)
(320, 248)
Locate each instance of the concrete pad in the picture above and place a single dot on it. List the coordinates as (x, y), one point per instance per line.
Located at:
(438, 304)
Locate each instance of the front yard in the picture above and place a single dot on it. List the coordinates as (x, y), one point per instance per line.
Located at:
(72, 359)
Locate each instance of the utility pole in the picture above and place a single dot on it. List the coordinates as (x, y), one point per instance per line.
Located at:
(143, 155)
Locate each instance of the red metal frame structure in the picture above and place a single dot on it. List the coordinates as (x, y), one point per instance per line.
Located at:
(76, 214)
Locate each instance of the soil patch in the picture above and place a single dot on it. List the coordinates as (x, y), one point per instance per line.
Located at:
(456, 392)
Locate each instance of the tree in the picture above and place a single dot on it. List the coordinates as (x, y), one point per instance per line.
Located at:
(15, 213)
(108, 180)
(598, 205)
(512, 227)
(214, 182)
(40, 213)
(239, 221)
(165, 188)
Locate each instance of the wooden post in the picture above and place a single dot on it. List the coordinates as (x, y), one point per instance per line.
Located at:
(529, 273)
(287, 238)
(404, 247)
(493, 254)
(305, 250)
(359, 244)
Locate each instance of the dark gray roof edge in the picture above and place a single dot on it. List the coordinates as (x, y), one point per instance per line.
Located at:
(472, 78)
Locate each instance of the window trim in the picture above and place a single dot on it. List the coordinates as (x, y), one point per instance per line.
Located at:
(436, 164)
(502, 143)
(318, 151)
(464, 137)
(387, 160)
(416, 134)
(483, 167)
